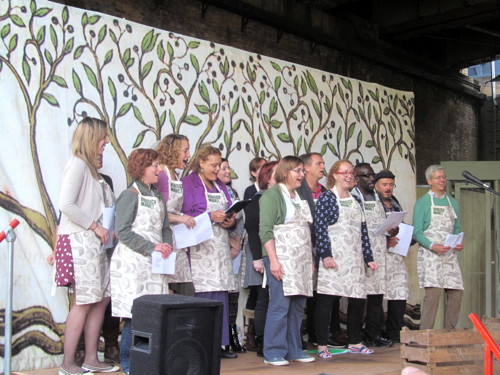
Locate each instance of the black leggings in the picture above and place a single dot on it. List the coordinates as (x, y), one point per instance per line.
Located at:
(355, 311)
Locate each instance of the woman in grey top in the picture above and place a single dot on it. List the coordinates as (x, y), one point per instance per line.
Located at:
(142, 227)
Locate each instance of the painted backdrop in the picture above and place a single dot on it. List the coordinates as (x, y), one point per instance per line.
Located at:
(59, 64)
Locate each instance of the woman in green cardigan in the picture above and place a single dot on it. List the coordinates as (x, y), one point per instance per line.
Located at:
(286, 239)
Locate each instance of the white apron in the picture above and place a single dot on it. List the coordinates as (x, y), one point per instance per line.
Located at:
(292, 241)
(90, 261)
(131, 275)
(210, 260)
(397, 287)
(174, 206)
(439, 271)
(375, 215)
(348, 279)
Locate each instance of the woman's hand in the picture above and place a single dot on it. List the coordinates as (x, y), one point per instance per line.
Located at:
(164, 248)
(459, 247)
(102, 233)
(188, 221)
(258, 265)
(392, 241)
(328, 262)
(372, 266)
(277, 270)
(233, 252)
(229, 222)
(440, 249)
(218, 216)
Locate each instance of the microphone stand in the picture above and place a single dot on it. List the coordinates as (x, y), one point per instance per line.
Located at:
(11, 238)
(489, 189)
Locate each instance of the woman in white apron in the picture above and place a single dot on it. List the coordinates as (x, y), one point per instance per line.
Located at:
(210, 260)
(81, 263)
(434, 217)
(142, 228)
(286, 238)
(174, 154)
(343, 245)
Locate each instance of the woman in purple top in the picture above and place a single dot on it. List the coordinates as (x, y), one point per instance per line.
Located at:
(210, 260)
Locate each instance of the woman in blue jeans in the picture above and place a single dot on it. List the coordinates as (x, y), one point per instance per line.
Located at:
(286, 238)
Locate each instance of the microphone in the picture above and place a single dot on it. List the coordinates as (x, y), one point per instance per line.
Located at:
(14, 223)
(469, 177)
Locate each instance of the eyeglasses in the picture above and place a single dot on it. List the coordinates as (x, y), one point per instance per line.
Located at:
(438, 178)
(299, 171)
(366, 175)
(345, 173)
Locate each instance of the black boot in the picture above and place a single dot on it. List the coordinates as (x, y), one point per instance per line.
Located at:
(250, 339)
(235, 341)
(259, 345)
(225, 353)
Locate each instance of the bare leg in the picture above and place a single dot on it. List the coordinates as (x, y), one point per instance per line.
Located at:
(92, 331)
(74, 326)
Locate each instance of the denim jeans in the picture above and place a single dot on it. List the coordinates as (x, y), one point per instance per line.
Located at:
(282, 335)
(125, 345)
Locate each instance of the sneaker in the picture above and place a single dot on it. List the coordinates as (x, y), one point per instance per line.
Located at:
(278, 361)
(304, 358)
(359, 350)
(379, 342)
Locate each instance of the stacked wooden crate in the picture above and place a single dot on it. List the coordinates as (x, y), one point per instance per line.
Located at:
(446, 352)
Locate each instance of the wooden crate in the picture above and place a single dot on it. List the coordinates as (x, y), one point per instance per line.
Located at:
(444, 352)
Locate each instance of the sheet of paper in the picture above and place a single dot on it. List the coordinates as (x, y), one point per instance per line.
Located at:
(237, 263)
(108, 222)
(393, 220)
(452, 240)
(164, 266)
(405, 235)
(185, 237)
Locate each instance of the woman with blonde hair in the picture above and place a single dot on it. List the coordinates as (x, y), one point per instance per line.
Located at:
(284, 220)
(210, 260)
(81, 262)
(343, 246)
(173, 154)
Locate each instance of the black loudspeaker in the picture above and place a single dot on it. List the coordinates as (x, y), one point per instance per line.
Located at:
(175, 335)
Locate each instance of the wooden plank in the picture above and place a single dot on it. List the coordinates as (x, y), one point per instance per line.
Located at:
(443, 337)
(442, 354)
(492, 324)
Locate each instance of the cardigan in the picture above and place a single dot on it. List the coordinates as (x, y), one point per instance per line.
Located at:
(126, 211)
(81, 200)
(195, 202)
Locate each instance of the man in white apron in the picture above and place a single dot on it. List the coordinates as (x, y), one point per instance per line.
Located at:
(375, 281)
(434, 217)
(397, 288)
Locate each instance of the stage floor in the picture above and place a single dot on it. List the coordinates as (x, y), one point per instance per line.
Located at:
(384, 361)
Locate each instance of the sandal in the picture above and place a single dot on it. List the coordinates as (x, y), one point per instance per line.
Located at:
(359, 350)
(109, 368)
(62, 371)
(325, 354)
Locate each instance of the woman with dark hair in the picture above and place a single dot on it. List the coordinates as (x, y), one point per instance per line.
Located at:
(253, 167)
(173, 153)
(284, 231)
(142, 227)
(343, 246)
(80, 261)
(210, 260)
(253, 250)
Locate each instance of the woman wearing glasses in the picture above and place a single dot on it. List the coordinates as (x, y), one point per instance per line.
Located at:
(285, 235)
(339, 220)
